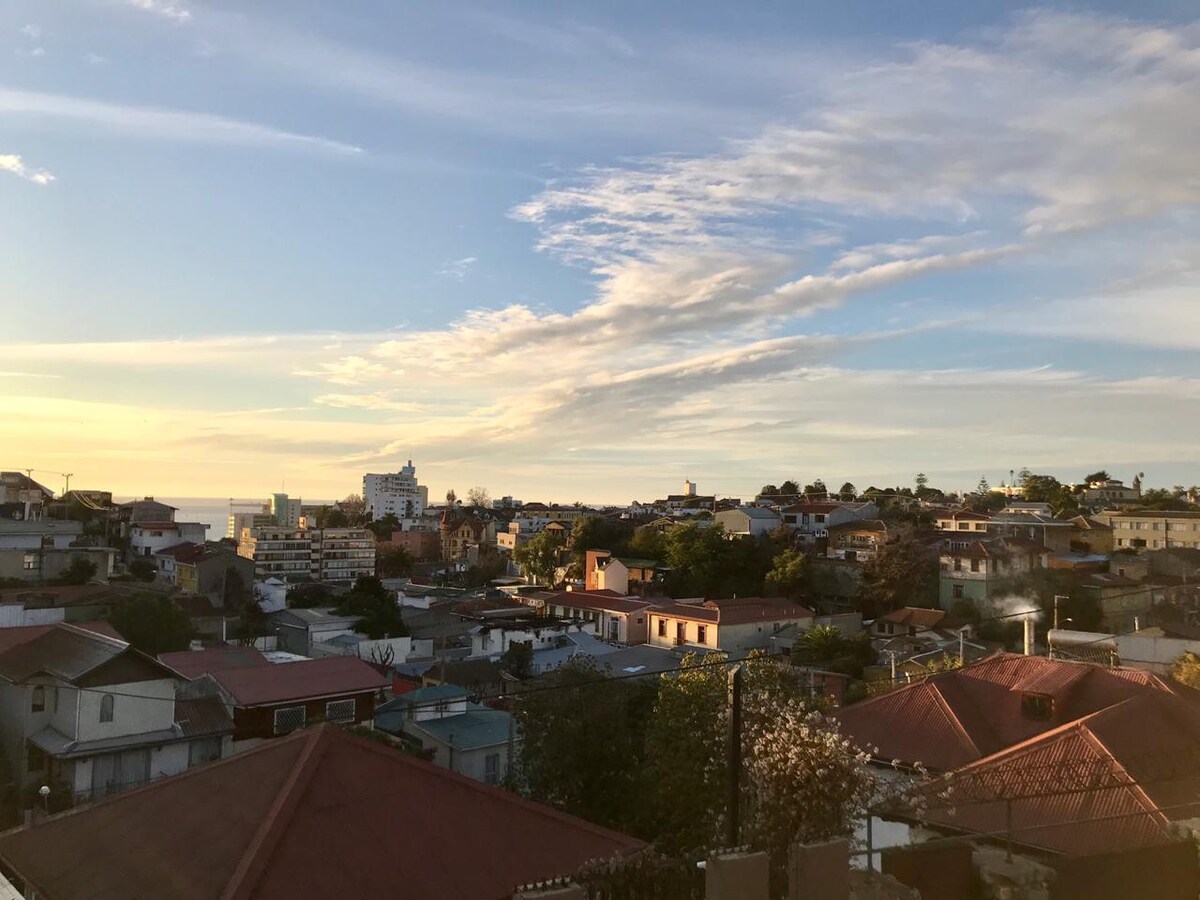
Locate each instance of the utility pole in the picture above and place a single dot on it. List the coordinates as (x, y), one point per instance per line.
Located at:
(961, 647)
(734, 759)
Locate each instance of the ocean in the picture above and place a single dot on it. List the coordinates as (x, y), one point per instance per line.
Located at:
(213, 511)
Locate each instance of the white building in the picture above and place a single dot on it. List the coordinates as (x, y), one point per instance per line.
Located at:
(396, 494)
(148, 538)
(330, 554)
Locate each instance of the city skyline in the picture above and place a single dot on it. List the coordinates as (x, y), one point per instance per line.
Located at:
(586, 255)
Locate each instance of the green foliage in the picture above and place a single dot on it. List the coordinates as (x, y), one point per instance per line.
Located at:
(383, 527)
(817, 487)
(331, 517)
(648, 543)
(990, 502)
(789, 576)
(1158, 498)
(308, 594)
(392, 561)
(1047, 489)
(768, 489)
(789, 487)
(901, 574)
(582, 745)
(825, 647)
(142, 569)
(598, 533)
(848, 491)
(235, 593)
(539, 558)
(517, 660)
(377, 611)
(80, 571)
(152, 624)
(1187, 670)
(705, 563)
(1101, 475)
(491, 565)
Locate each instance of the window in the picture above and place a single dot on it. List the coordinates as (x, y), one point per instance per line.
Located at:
(35, 758)
(957, 564)
(974, 565)
(340, 710)
(819, 518)
(701, 634)
(964, 526)
(1038, 707)
(958, 592)
(662, 627)
(289, 718)
(30, 562)
(491, 768)
(106, 707)
(641, 619)
(38, 699)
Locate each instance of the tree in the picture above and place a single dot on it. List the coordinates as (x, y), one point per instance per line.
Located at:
(983, 488)
(492, 564)
(1101, 475)
(332, 517)
(789, 576)
(377, 611)
(789, 487)
(768, 490)
(901, 574)
(848, 491)
(142, 569)
(583, 744)
(1157, 498)
(354, 507)
(517, 660)
(80, 571)
(922, 481)
(1187, 669)
(648, 543)
(252, 622)
(451, 497)
(308, 594)
(478, 496)
(598, 533)
(152, 624)
(383, 527)
(817, 487)
(234, 590)
(392, 561)
(825, 647)
(539, 558)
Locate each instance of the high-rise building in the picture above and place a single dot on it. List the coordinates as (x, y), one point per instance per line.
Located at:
(300, 554)
(396, 494)
(284, 511)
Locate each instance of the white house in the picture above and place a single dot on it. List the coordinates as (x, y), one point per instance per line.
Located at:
(81, 707)
(811, 520)
(147, 538)
(491, 639)
(733, 626)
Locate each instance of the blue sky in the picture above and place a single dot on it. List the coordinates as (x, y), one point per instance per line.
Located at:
(587, 251)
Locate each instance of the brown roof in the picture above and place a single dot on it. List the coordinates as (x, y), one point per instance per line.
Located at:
(964, 514)
(194, 663)
(317, 814)
(13, 637)
(874, 525)
(601, 600)
(1129, 768)
(917, 617)
(813, 506)
(954, 718)
(202, 716)
(736, 611)
(300, 680)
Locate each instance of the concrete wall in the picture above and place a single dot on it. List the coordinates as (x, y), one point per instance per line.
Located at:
(131, 715)
(691, 632)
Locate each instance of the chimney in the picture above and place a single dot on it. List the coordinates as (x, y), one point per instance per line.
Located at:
(1029, 637)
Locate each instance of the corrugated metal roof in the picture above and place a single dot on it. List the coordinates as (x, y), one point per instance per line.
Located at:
(264, 685)
(194, 663)
(202, 717)
(315, 814)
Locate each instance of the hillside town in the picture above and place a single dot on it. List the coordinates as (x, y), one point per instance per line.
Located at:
(933, 690)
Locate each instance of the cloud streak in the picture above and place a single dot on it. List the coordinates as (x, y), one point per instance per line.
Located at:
(148, 122)
(15, 165)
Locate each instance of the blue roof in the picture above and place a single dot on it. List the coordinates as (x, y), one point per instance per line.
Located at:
(423, 695)
(479, 727)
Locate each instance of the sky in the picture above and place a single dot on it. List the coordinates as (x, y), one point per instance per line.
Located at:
(586, 251)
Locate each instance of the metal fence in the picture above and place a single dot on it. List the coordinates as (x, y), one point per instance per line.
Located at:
(646, 877)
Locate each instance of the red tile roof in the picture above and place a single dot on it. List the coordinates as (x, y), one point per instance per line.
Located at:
(317, 814)
(954, 718)
(915, 616)
(301, 680)
(606, 600)
(15, 637)
(737, 611)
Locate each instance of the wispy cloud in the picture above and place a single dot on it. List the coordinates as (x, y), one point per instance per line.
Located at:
(31, 31)
(95, 59)
(12, 163)
(457, 269)
(160, 124)
(175, 12)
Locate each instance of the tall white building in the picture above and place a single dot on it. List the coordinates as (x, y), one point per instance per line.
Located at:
(396, 494)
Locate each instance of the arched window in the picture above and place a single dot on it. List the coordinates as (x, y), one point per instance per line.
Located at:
(106, 708)
(39, 699)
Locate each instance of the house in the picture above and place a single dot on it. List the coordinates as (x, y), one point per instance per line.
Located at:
(962, 520)
(461, 532)
(269, 699)
(1078, 758)
(321, 813)
(148, 538)
(464, 737)
(620, 619)
(908, 620)
(22, 496)
(1153, 529)
(978, 569)
(82, 709)
(423, 544)
(493, 637)
(300, 629)
(1111, 492)
(1122, 601)
(43, 549)
(145, 510)
(204, 569)
(747, 520)
(810, 520)
(733, 626)
(622, 574)
(860, 540)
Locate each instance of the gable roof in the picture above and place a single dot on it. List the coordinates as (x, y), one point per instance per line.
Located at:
(736, 611)
(253, 825)
(79, 656)
(301, 680)
(951, 719)
(609, 601)
(194, 663)
(916, 616)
